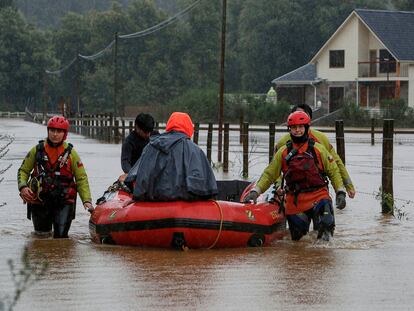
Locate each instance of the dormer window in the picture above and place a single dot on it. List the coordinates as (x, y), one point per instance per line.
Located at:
(336, 59)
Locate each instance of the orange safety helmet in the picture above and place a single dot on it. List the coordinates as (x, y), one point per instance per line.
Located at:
(59, 122)
(297, 118)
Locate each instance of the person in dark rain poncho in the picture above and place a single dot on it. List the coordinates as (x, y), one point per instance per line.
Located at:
(172, 167)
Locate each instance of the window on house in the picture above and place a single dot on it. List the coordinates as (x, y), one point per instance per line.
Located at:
(336, 59)
(336, 98)
(387, 62)
(386, 92)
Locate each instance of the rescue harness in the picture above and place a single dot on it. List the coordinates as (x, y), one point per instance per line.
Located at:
(303, 173)
(53, 181)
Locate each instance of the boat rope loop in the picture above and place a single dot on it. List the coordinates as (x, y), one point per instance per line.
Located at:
(221, 224)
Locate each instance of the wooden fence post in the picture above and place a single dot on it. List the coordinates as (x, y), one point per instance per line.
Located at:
(226, 148)
(241, 127)
(340, 139)
(102, 126)
(93, 118)
(209, 141)
(88, 126)
(272, 130)
(116, 131)
(372, 132)
(387, 194)
(123, 129)
(196, 132)
(108, 127)
(245, 172)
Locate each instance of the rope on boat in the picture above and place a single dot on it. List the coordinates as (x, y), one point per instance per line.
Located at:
(221, 225)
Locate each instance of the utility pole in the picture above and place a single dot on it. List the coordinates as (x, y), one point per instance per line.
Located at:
(117, 111)
(45, 94)
(221, 97)
(77, 83)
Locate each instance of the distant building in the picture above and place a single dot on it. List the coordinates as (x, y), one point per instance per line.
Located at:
(369, 58)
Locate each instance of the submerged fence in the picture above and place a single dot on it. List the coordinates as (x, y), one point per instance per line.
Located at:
(107, 128)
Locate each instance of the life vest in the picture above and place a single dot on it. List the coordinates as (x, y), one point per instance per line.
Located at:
(53, 181)
(303, 174)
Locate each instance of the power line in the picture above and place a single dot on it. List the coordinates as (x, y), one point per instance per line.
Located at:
(138, 34)
(58, 72)
(161, 25)
(99, 54)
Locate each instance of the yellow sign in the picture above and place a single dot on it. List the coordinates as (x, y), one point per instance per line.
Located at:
(250, 215)
(112, 216)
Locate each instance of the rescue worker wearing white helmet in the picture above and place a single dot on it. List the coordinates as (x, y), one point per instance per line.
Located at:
(304, 164)
(49, 179)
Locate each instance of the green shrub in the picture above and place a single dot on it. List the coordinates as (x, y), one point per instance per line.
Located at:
(394, 108)
(200, 104)
(355, 115)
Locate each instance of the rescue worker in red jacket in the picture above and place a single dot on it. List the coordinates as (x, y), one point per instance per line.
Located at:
(49, 179)
(305, 164)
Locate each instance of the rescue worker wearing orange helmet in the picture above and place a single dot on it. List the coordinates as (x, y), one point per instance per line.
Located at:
(305, 164)
(49, 179)
(321, 138)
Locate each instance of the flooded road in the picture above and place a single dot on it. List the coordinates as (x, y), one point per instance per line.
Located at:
(368, 265)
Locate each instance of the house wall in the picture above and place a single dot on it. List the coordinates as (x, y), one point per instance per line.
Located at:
(300, 94)
(404, 91)
(367, 42)
(357, 41)
(374, 44)
(374, 89)
(310, 95)
(323, 92)
(411, 86)
(363, 38)
(346, 39)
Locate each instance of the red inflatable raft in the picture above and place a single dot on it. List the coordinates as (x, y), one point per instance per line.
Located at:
(200, 224)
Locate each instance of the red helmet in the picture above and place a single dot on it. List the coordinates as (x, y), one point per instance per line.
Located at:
(297, 118)
(59, 122)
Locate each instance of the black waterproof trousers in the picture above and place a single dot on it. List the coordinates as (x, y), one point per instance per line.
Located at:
(52, 214)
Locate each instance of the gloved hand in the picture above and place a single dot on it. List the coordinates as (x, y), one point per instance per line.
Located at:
(340, 200)
(27, 195)
(252, 196)
(88, 206)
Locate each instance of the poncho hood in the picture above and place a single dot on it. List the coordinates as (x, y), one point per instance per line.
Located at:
(180, 122)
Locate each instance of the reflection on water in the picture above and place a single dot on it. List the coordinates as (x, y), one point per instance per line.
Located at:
(367, 266)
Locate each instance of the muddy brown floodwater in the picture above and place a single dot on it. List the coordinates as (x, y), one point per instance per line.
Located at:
(367, 266)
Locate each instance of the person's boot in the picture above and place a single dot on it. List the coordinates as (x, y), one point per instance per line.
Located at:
(42, 234)
(326, 224)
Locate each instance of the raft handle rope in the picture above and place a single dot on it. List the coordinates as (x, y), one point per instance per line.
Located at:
(221, 225)
(35, 185)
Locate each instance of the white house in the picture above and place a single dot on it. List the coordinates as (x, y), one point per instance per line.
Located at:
(370, 57)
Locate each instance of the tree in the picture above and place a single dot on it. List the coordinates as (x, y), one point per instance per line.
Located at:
(24, 55)
(48, 13)
(7, 3)
(405, 5)
(272, 41)
(201, 53)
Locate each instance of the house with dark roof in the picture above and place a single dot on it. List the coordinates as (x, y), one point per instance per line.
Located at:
(369, 58)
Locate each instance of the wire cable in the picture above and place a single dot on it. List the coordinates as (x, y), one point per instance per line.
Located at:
(161, 25)
(138, 34)
(58, 72)
(98, 54)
